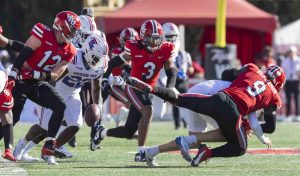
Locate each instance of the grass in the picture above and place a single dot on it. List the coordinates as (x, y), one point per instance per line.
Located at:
(116, 157)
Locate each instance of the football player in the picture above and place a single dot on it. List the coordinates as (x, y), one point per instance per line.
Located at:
(89, 64)
(6, 118)
(148, 56)
(183, 63)
(251, 90)
(43, 59)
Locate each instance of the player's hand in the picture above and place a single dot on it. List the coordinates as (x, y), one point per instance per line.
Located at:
(25, 74)
(249, 133)
(267, 141)
(117, 81)
(13, 74)
(104, 84)
(10, 84)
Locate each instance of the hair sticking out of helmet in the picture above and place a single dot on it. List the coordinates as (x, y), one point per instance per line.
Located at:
(128, 34)
(68, 23)
(276, 75)
(95, 51)
(151, 34)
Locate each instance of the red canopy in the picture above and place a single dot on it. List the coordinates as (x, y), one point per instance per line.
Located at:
(240, 14)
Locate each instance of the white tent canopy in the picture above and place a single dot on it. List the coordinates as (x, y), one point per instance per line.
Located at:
(286, 36)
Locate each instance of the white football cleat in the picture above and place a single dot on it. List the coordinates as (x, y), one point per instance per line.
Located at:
(64, 150)
(26, 157)
(19, 149)
(150, 159)
(51, 160)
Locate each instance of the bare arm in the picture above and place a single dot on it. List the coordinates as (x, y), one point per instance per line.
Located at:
(171, 72)
(58, 70)
(3, 41)
(96, 93)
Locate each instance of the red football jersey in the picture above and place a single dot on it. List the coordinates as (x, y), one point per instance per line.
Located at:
(50, 53)
(6, 100)
(146, 65)
(252, 91)
(117, 71)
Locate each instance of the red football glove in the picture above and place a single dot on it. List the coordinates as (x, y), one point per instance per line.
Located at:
(29, 74)
(10, 84)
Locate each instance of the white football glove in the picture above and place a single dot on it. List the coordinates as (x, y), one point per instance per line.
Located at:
(116, 81)
(266, 140)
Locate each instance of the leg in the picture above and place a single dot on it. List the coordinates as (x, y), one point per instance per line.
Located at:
(288, 98)
(66, 135)
(296, 94)
(176, 117)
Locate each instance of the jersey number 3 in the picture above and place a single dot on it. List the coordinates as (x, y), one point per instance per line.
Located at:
(47, 67)
(258, 88)
(151, 68)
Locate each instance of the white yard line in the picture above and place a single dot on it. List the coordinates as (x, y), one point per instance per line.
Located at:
(10, 168)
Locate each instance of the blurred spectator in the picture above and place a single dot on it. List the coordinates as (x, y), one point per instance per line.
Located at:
(265, 58)
(4, 58)
(291, 66)
(198, 70)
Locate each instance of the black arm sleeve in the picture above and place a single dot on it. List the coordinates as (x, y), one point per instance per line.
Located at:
(270, 120)
(117, 61)
(23, 56)
(231, 74)
(14, 45)
(171, 77)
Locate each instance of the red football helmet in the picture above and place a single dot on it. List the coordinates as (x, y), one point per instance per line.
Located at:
(68, 23)
(128, 34)
(151, 34)
(276, 75)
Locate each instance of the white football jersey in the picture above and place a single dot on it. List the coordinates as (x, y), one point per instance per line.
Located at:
(209, 87)
(77, 76)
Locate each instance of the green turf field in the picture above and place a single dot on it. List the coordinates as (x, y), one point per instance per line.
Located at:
(116, 157)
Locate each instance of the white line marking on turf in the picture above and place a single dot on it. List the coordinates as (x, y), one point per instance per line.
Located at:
(10, 168)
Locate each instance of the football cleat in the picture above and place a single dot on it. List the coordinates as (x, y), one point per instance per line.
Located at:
(27, 158)
(140, 156)
(50, 149)
(9, 156)
(19, 149)
(64, 150)
(150, 159)
(96, 138)
(203, 154)
(184, 148)
(51, 160)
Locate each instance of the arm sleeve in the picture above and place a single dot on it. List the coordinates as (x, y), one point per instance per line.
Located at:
(14, 45)
(171, 77)
(231, 74)
(255, 126)
(270, 119)
(22, 57)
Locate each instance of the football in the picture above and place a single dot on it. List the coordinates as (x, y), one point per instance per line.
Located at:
(92, 114)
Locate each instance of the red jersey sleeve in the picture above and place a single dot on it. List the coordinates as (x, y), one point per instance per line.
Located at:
(38, 31)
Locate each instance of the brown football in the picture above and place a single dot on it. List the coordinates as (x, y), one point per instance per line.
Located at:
(92, 114)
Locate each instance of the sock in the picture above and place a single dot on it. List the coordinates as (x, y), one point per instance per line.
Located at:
(153, 151)
(104, 133)
(61, 129)
(29, 146)
(8, 135)
(190, 139)
(141, 148)
(1, 132)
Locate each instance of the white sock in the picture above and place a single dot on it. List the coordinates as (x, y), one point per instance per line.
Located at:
(190, 139)
(25, 141)
(50, 139)
(104, 133)
(153, 151)
(141, 148)
(29, 146)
